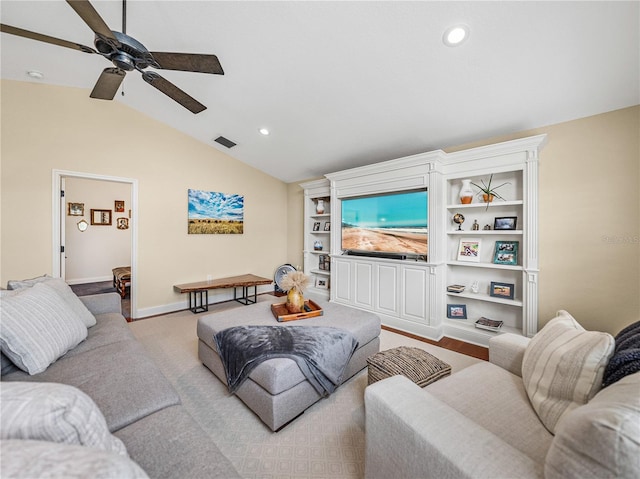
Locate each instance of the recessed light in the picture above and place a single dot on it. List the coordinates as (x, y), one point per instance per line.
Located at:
(264, 131)
(35, 74)
(455, 35)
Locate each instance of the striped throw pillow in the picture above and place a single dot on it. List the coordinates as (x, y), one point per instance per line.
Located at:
(563, 367)
(38, 327)
(54, 412)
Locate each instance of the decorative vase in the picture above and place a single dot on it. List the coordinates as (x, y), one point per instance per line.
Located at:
(466, 193)
(317, 245)
(487, 198)
(295, 301)
(320, 206)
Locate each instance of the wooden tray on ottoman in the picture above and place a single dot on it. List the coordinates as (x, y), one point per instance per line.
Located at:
(281, 313)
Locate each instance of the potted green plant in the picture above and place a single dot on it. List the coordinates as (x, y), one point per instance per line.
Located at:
(488, 192)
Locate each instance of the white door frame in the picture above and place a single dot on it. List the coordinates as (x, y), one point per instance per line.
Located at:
(58, 216)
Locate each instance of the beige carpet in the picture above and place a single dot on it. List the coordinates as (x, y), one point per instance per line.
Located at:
(327, 441)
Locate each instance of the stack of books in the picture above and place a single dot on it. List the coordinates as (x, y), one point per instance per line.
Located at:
(488, 324)
(455, 288)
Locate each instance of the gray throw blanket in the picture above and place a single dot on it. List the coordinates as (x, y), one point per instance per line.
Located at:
(321, 353)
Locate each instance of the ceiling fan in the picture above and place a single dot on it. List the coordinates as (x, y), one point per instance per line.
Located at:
(127, 54)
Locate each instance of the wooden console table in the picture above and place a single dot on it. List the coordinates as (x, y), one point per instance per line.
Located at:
(199, 292)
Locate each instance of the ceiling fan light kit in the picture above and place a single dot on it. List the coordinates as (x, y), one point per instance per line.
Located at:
(127, 54)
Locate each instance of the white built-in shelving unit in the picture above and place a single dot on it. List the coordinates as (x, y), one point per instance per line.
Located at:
(317, 231)
(411, 295)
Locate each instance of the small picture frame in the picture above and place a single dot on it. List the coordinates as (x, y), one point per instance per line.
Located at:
(316, 226)
(502, 290)
(119, 206)
(505, 223)
(506, 253)
(324, 262)
(322, 283)
(122, 223)
(469, 250)
(101, 217)
(457, 311)
(327, 225)
(75, 209)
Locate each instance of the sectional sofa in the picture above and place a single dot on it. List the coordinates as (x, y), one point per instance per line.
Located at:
(101, 409)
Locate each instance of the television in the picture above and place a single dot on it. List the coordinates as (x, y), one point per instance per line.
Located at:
(393, 225)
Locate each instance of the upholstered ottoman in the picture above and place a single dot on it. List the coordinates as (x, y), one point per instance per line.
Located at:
(276, 390)
(414, 363)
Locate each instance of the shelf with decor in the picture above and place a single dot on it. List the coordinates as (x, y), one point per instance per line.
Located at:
(317, 236)
(491, 248)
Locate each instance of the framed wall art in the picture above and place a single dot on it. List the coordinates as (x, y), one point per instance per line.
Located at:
(100, 217)
(75, 209)
(211, 212)
(506, 253)
(122, 223)
(119, 206)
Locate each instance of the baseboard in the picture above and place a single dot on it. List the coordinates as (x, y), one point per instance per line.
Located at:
(214, 297)
(99, 279)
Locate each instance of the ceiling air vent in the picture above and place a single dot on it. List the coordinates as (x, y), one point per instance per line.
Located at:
(225, 142)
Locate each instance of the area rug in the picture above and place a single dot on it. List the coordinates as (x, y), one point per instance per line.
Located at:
(327, 441)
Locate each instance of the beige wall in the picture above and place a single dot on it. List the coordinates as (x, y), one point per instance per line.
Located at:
(589, 243)
(589, 218)
(47, 127)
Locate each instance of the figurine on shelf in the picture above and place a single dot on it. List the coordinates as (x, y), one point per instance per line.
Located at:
(475, 287)
(475, 226)
(317, 245)
(487, 227)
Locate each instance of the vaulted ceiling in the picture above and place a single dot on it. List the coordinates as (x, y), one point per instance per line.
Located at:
(344, 84)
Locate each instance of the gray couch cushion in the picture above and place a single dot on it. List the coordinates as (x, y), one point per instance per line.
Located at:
(110, 328)
(494, 408)
(170, 443)
(120, 377)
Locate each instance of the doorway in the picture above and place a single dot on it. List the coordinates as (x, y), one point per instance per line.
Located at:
(108, 230)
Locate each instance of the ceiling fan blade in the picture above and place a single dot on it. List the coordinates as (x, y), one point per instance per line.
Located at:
(173, 92)
(44, 38)
(108, 84)
(95, 22)
(188, 62)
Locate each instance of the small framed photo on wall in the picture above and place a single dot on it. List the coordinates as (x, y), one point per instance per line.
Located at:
(119, 206)
(75, 209)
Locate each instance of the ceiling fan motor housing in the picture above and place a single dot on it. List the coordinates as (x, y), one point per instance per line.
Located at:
(129, 55)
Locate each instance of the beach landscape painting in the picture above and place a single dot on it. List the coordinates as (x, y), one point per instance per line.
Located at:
(391, 223)
(211, 212)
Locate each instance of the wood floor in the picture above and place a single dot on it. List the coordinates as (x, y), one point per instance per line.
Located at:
(451, 344)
